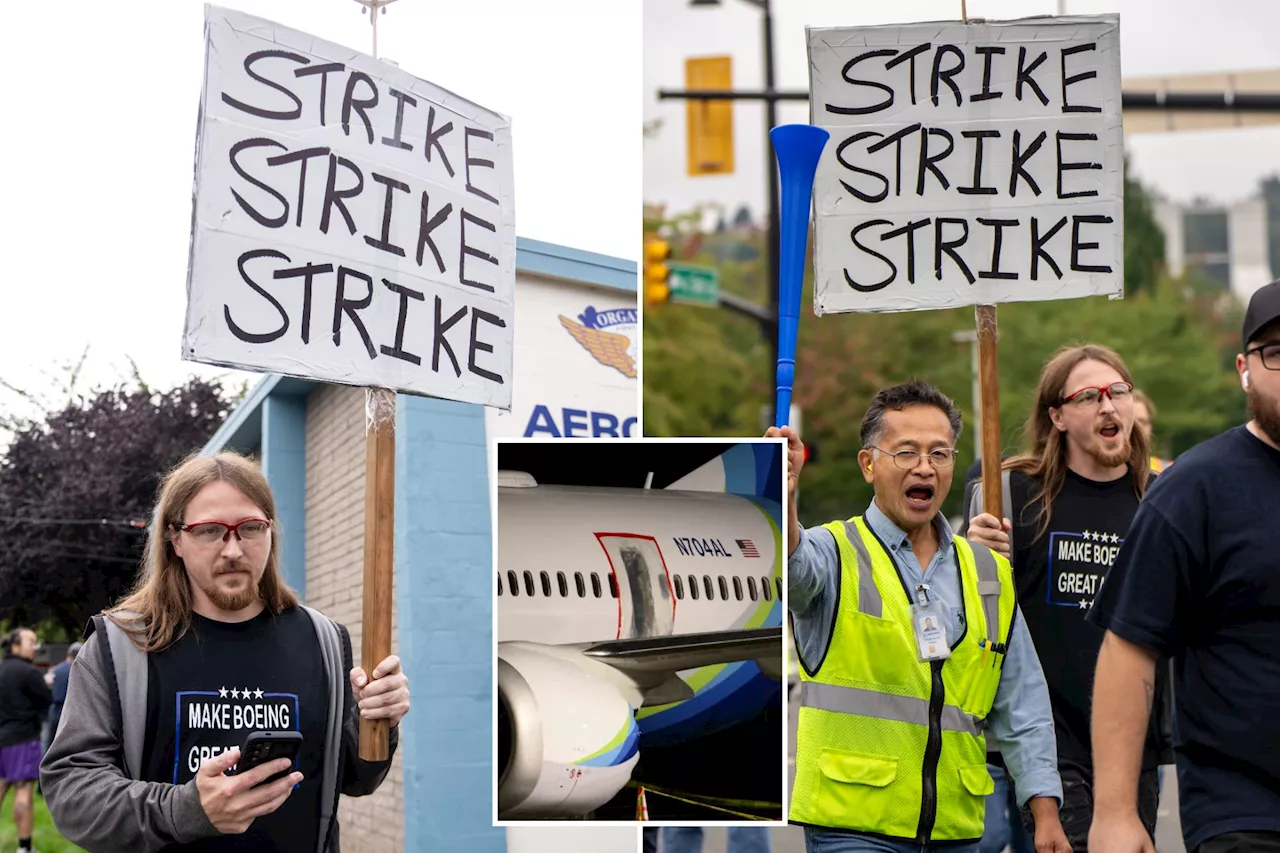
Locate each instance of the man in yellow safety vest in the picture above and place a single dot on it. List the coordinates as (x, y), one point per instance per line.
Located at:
(911, 649)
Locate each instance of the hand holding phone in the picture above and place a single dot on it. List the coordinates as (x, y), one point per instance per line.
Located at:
(263, 747)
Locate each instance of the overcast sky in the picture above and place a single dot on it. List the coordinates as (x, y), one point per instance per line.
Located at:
(100, 102)
(1157, 37)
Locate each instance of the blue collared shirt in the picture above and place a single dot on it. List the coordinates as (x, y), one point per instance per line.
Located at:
(1021, 719)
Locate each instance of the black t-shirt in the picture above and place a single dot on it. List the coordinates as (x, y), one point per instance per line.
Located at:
(1198, 579)
(220, 682)
(1058, 575)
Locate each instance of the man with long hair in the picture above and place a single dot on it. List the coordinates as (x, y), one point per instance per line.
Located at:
(209, 647)
(23, 699)
(1073, 493)
(911, 654)
(1198, 580)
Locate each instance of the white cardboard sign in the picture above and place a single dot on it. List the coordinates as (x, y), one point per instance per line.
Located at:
(352, 223)
(968, 164)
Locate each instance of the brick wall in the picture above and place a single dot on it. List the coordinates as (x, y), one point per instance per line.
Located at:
(335, 565)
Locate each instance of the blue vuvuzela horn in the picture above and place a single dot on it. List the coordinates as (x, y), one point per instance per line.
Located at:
(798, 147)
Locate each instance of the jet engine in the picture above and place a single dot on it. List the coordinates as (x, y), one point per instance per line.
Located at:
(567, 738)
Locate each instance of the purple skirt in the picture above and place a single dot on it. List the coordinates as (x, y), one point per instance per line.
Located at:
(20, 762)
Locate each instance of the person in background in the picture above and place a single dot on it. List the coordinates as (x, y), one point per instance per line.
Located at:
(57, 679)
(1196, 580)
(1072, 494)
(24, 698)
(688, 839)
(891, 743)
(1144, 415)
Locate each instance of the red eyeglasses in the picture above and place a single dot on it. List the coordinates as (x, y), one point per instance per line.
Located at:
(1093, 394)
(210, 532)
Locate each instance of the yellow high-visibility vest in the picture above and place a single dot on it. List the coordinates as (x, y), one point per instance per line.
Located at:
(887, 744)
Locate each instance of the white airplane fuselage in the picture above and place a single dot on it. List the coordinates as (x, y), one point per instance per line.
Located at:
(581, 566)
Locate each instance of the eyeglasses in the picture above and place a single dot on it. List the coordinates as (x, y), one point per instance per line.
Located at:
(1093, 395)
(943, 457)
(1268, 352)
(212, 532)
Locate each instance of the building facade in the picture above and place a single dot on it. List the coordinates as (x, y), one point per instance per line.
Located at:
(576, 366)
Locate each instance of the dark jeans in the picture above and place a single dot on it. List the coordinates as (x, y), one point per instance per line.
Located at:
(1076, 812)
(1242, 842)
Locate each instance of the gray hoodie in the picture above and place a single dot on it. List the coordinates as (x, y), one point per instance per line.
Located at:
(89, 776)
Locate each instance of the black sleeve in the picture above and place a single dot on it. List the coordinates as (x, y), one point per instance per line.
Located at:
(37, 691)
(1145, 597)
(359, 777)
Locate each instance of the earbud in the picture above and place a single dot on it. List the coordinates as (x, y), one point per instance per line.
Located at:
(870, 467)
(1244, 380)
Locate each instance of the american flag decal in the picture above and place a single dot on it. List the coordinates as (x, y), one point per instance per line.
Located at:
(748, 548)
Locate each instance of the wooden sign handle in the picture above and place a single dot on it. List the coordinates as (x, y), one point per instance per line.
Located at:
(379, 562)
(989, 405)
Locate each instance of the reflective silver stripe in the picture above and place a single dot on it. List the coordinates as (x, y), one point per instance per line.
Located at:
(984, 562)
(882, 706)
(869, 601)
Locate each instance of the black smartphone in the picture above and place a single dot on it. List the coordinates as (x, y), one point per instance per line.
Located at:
(264, 747)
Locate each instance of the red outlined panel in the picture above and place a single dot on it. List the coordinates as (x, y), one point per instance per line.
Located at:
(600, 536)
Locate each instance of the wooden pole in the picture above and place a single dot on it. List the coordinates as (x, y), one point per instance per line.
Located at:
(989, 406)
(379, 561)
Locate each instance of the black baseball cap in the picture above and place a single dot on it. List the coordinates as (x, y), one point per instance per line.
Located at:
(1264, 309)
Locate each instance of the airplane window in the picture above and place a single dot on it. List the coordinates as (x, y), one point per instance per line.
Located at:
(528, 583)
(751, 588)
(595, 584)
(563, 584)
(706, 584)
(766, 589)
(737, 588)
(580, 584)
(679, 588)
(499, 583)
(778, 581)
(613, 585)
(546, 585)
(724, 589)
(693, 587)
(512, 583)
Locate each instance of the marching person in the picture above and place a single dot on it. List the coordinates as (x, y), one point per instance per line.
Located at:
(1144, 415)
(210, 647)
(57, 679)
(24, 698)
(1196, 580)
(1071, 497)
(891, 751)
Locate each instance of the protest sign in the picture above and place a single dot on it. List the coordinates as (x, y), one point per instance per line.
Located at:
(969, 164)
(352, 223)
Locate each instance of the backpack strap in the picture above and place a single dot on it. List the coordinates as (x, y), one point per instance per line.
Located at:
(126, 672)
(333, 644)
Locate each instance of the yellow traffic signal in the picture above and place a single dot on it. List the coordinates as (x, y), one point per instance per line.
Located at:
(657, 273)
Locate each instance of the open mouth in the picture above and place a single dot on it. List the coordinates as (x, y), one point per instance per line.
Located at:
(1110, 430)
(920, 497)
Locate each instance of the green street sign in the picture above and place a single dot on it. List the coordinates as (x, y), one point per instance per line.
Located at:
(694, 285)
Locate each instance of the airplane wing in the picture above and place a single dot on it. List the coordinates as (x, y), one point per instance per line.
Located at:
(652, 662)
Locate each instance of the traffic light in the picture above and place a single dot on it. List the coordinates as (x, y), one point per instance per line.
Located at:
(657, 272)
(810, 453)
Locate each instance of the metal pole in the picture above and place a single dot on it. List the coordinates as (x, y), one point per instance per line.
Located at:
(771, 121)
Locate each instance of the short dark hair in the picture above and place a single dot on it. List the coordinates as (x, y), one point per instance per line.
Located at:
(898, 397)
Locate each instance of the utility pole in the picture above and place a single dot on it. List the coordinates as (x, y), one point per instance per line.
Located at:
(372, 9)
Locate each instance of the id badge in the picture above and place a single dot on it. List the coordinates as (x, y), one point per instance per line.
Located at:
(930, 623)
